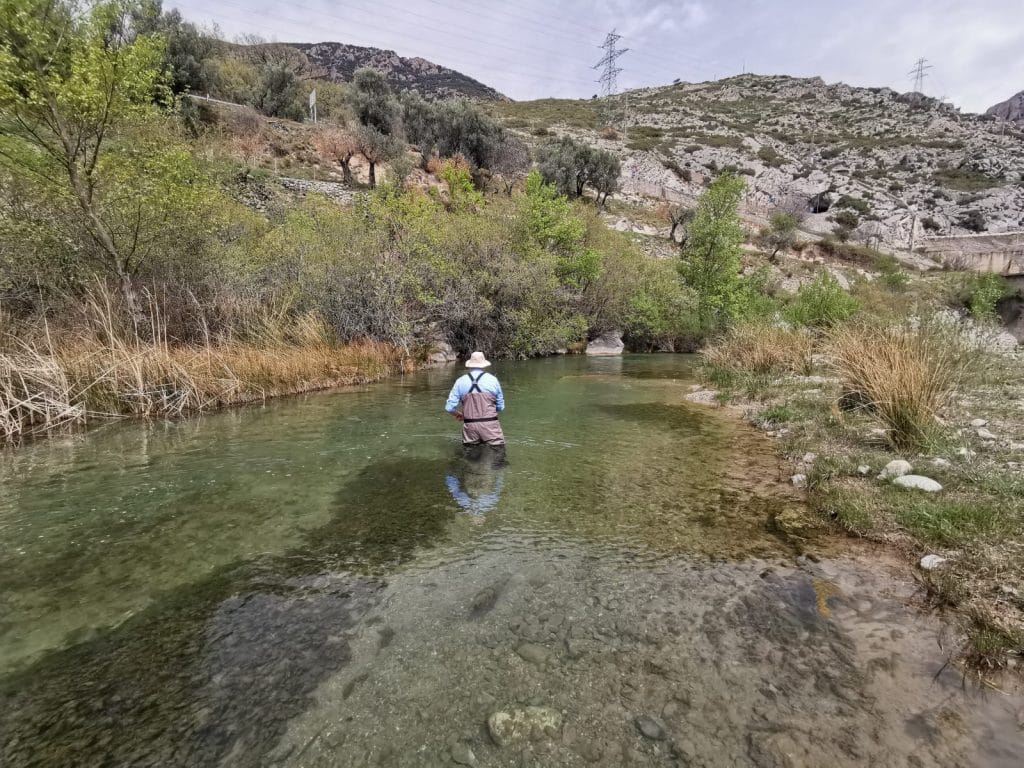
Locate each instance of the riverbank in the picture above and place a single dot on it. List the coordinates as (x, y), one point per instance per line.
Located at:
(932, 466)
(69, 384)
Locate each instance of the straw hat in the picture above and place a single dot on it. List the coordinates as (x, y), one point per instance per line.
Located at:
(477, 360)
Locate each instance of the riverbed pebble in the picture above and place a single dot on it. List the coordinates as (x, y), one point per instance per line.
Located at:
(522, 724)
(984, 434)
(651, 727)
(896, 468)
(978, 423)
(918, 483)
(463, 755)
(863, 470)
(799, 481)
(938, 461)
(931, 562)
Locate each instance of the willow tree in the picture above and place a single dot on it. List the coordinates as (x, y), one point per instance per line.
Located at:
(79, 115)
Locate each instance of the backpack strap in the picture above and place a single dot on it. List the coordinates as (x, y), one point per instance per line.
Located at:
(476, 383)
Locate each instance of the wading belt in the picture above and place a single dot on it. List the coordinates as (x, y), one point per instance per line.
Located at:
(476, 388)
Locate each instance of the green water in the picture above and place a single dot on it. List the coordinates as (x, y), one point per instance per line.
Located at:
(328, 580)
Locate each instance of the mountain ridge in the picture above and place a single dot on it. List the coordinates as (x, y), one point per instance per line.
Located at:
(1012, 109)
(339, 61)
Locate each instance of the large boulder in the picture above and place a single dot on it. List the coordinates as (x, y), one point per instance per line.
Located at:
(608, 343)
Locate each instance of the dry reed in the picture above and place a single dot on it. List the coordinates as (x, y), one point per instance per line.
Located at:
(760, 350)
(903, 375)
(110, 368)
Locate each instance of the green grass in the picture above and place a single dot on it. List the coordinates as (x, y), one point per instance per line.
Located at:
(579, 113)
(964, 180)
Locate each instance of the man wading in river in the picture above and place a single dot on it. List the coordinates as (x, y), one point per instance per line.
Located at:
(479, 394)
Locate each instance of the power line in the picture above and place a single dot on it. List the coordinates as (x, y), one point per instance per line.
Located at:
(919, 73)
(609, 79)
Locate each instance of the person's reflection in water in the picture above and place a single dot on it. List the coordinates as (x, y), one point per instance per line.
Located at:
(477, 482)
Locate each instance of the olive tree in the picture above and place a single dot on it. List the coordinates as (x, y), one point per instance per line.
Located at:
(378, 113)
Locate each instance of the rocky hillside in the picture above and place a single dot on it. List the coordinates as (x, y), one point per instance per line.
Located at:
(337, 61)
(895, 161)
(1012, 109)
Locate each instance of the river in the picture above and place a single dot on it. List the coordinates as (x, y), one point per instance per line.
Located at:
(328, 581)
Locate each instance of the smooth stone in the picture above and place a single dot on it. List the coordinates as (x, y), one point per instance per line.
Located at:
(931, 562)
(517, 725)
(918, 483)
(967, 453)
(463, 755)
(533, 653)
(978, 423)
(940, 462)
(896, 468)
(651, 727)
(863, 470)
(984, 434)
(799, 481)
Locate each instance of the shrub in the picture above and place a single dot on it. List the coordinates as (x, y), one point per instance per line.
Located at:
(821, 303)
(984, 292)
(930, 224)
(894, 277)
(770, 157)
(862, 207)
(847, 219)
(974, 220)
(901, 374)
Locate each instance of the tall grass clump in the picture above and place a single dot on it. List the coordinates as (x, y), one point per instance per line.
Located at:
(902, 374)
(753, 352)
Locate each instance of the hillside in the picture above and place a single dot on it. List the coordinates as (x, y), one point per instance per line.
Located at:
(896, 160)
(1012, 109)
(338, 61)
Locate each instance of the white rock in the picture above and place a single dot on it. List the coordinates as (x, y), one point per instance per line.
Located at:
(931, 562)
(703, 397)
(809, 458)
(800, 481)
(940, 462)
(965, 452)
(609, 343)
(984, 434)
(977, 423)
(917, 482)
(863, 470)
(1017, 446)
(896, 468)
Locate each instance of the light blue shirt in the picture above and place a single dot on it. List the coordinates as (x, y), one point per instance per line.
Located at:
(488, 383)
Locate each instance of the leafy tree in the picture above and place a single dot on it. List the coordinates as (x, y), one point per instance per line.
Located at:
(70, 84)
(277, 90)
(510, 159)
(188, 49)
(549, 216)
(463, 129)
(711, 260)
(603, 174)
(373, 102)
(571, 166)
(420, 121)
(377, 147)
(780, 234)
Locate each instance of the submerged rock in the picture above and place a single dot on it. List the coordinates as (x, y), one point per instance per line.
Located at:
(463, 755)
(931, 562)
(651, 727)
(918, 483)
(896, 468)
(533, 653)
(520, 724)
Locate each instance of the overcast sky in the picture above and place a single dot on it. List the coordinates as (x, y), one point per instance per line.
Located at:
(535, 48)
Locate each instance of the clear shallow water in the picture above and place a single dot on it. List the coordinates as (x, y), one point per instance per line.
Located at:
(328, 581)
